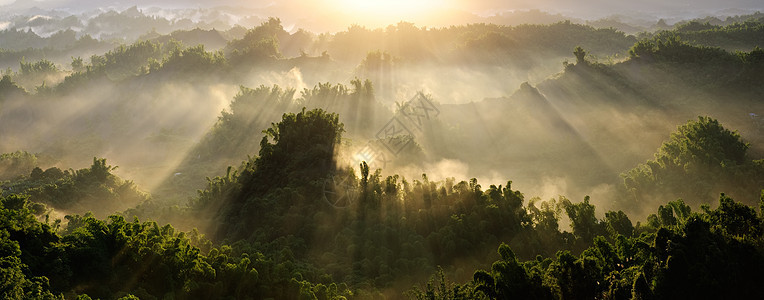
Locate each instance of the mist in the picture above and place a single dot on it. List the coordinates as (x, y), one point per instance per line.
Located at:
(328, 150)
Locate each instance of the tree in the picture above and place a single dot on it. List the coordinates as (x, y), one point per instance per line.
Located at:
(618, 223)
(296, 155)
(580, 56)
(584, 222)
(9, 89)
(698, 161)
(302, 148)
(78, 64)
(704, 141)
(736, 218)
(508, 279)
(16, 163)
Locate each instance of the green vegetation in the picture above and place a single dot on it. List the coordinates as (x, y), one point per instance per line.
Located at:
(116, 258)
(699, 159)
(734, 37)
(715, 254)
(249, 194)
(16, 164)
(288, 243)
(270, 46)
(95, 188)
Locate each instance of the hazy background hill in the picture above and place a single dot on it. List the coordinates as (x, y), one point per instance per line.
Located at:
(211, 150)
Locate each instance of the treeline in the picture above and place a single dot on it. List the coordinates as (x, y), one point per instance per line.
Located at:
(737, 36)
(485, 43)
(298, 224)
(699, 159)
(144, 65)
(665, 82)
(716, 253)
(268, 43)
(270, 46)
(477, 42)
(737, 71)
(672, 48)
(291, 238)
(93, 189)
(120, 259)
(18, 44)
(237, 132)
(56, 32)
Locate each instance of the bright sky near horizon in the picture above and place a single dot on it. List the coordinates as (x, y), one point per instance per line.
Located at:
(381, 12)
(386, 6)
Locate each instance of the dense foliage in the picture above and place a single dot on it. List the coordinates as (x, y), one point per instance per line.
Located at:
(288, 219)
(700, 158)
(288, 241)
(395, 231)
(270, 46)
(115, 258)
(736, 36)
(93, 189)
(713, 254)
(16, 164)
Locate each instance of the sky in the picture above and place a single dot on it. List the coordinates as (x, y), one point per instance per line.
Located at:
(424, 12)
(480, 6)
(472, 5)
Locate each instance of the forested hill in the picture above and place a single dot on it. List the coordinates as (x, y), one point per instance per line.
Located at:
(476, 161)
(292, 238)
(613, 115)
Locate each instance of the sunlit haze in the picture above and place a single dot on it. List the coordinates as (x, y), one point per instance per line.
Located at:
(334, 15)
(381, 149)
(381, 12)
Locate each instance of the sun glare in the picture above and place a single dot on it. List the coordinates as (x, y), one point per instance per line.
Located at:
(390, 11)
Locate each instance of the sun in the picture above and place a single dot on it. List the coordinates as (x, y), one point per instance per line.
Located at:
(389, 7)
(389, 11)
